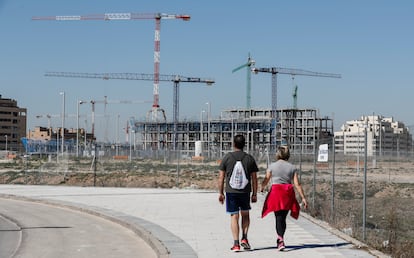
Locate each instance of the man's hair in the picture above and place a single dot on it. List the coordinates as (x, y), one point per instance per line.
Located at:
(283, 153)
(239, 141)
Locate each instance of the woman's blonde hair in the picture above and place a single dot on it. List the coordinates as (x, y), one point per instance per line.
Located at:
(283, 153)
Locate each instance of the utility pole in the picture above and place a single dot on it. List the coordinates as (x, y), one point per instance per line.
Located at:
(63, 123)
(208, 128)
(364, 205)
(80, 102)
(6, 136)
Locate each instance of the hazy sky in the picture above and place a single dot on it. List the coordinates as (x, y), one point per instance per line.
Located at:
(370, 43)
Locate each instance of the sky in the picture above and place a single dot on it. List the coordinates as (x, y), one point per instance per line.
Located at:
(369, 43)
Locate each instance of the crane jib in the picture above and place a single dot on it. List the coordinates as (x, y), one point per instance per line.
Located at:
(68, 18)
(117, 16)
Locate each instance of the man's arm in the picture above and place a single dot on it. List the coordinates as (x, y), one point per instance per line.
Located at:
(221, 186)
(254, 186)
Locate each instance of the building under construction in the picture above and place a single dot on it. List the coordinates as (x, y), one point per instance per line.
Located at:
(301, 129)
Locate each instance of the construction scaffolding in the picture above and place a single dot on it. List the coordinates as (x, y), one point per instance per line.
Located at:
(300, 129)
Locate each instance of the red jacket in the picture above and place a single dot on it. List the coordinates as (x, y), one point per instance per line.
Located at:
(281, 197)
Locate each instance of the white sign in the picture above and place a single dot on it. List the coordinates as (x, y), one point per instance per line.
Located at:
(323, 153)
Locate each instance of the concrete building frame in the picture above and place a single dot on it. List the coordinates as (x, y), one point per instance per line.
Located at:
(300, 129)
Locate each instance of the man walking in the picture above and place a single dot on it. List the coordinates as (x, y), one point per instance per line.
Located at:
(238, 190)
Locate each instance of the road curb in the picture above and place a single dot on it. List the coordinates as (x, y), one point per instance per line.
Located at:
(17, 227)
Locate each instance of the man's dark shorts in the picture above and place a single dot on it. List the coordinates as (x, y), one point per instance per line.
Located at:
(236, 202)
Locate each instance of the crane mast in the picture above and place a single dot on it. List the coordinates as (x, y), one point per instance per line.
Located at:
(248, 65)
(132, 16)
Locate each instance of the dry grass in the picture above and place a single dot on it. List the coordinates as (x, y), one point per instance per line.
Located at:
(390, 191)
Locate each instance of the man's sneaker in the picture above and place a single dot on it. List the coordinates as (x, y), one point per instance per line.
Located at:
(245, 244)
(280, 245)
(235, 248)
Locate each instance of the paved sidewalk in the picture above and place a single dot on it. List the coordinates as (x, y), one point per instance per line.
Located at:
(192, 223)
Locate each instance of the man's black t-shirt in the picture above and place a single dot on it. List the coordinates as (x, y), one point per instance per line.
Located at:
(249, 164)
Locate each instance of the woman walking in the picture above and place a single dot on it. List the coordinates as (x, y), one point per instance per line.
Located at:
(282, 198)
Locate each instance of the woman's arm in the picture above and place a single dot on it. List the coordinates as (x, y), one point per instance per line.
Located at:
(299, 188)
(266, 179)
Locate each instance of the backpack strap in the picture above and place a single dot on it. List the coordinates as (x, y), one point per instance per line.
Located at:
(244, 155)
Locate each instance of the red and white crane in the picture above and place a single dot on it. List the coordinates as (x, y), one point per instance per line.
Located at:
(132, 16)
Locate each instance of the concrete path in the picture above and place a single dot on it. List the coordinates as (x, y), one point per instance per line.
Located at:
(41, 230)
(192, 223)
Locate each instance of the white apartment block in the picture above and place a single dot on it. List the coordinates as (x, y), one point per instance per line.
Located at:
(384, 137)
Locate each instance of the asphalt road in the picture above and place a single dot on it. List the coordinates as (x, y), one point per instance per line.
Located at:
(10, 235)
(29, 229)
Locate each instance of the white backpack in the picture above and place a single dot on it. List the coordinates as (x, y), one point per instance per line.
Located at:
(238, 179)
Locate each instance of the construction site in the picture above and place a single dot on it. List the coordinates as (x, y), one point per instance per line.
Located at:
(298, 128)
(165, 150)
(211, 138)
(265, 129)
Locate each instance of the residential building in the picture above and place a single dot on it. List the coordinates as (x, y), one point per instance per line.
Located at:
(12, 125)
(383, 136)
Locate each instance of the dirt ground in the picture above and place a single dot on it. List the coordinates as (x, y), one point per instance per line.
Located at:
(389, 191)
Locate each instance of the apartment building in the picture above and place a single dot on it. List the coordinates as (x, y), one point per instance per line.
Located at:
(384, 137)
(12, 125)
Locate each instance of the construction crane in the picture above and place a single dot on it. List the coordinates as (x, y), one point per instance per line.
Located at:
(293, 72)
(176, 79)
(248, 65)
(105, 101)
(133, 16)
